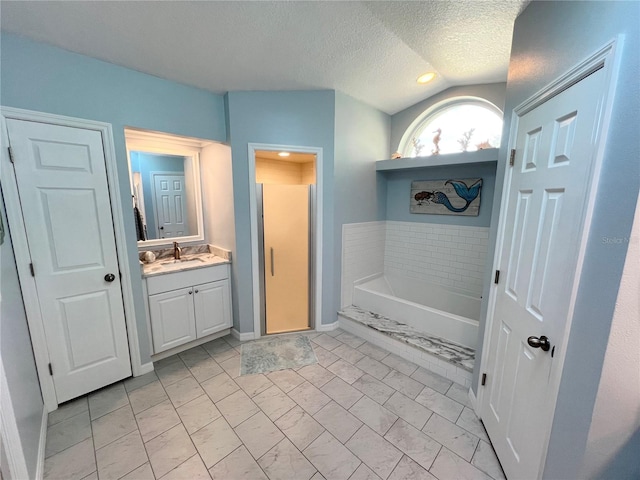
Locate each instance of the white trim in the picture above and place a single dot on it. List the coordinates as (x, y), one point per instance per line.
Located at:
(253, 214)
(27, 283)
(145, 368)
(42, 444)
(608, 58)
(474, 402)
(327, 327)
(9, 431)
(243, 337)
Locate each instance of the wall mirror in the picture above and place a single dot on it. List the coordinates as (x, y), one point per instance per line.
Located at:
(164, 172)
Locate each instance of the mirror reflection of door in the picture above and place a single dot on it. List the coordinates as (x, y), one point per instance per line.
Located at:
(286, 239)
(163, 194)
(169, 206)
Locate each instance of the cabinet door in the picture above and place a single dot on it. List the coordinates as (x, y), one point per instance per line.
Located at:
(212, 304)
(172, 318)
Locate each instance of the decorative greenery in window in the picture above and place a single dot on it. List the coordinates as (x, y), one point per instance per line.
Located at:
(463, 124)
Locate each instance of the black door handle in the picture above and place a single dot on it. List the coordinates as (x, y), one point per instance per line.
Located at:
(542, 342)
(109, 277)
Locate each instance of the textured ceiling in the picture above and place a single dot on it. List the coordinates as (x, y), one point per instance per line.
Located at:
(372, 51)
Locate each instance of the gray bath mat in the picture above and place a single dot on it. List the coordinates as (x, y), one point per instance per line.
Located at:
(276, 354)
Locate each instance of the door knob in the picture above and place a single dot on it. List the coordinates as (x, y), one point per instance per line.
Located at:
(109, 277)
(539, 342)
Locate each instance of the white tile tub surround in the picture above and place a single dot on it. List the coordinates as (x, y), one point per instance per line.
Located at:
(448, 255)
(362, 254)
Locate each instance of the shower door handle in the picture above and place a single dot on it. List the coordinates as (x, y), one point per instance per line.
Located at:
(272, 262)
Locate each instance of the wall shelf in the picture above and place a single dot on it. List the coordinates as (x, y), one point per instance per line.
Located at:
(489, 155)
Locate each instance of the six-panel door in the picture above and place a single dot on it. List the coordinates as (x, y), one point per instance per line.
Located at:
(64, 198)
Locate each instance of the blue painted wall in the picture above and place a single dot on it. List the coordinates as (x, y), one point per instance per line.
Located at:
(361, 138)
(145, 163)
(303, 118)
(39, 77)
(399, 193)
(549, 38)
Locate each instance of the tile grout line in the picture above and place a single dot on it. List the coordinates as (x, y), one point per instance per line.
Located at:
(93, 441)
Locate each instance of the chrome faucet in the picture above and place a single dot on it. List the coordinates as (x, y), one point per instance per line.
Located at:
(177, 251)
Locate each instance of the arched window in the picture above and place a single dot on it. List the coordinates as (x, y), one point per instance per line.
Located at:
(462, 124)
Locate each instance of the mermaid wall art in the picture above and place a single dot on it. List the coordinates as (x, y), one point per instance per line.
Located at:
(446, 197)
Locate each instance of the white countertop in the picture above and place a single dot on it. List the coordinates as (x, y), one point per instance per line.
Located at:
(187, 262)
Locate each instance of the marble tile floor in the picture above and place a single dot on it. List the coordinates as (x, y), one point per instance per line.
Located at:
(360, 413)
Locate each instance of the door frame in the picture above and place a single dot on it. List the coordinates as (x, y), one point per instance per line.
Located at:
(317, 244)
(607, 58)
(21, 252)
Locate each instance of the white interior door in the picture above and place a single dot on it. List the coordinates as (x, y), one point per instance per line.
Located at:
(170, 206)
(64, 197)
(545, 214)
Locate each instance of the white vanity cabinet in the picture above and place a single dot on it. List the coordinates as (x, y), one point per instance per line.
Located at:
(188, 305)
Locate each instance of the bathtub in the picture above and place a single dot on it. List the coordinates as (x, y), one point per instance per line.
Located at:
(433, 309)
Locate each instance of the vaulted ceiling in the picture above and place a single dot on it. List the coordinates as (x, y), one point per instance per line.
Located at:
(373, 51)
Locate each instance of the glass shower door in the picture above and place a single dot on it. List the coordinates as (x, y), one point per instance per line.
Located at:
(285, 210)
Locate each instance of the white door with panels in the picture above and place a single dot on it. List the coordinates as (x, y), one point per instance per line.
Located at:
(543, 221)
(170, 205)
(64, 197)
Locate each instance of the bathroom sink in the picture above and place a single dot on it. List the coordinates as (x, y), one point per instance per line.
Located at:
(182, 263)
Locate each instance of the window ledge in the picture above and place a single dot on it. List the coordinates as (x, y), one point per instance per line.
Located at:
(489, 155)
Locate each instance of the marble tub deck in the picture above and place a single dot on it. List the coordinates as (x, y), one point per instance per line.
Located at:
(458, 355)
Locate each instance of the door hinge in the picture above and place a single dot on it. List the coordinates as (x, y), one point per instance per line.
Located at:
(10, 154)
(50, 370)
(496, 279)
(32, 270)
(484, 379)
(512, 157)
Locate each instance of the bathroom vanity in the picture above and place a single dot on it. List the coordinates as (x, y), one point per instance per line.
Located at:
(189, 298)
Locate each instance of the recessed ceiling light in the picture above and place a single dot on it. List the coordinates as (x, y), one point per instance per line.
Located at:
(284, 154)
(426, 77)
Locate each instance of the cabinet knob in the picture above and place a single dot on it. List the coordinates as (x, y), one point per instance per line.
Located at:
(190, 292)
(196, 291)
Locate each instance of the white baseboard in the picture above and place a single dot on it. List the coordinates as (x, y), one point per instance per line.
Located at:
(145, 368)
(42, 444)
(243, 337)
(327, 327)
(474, 401)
